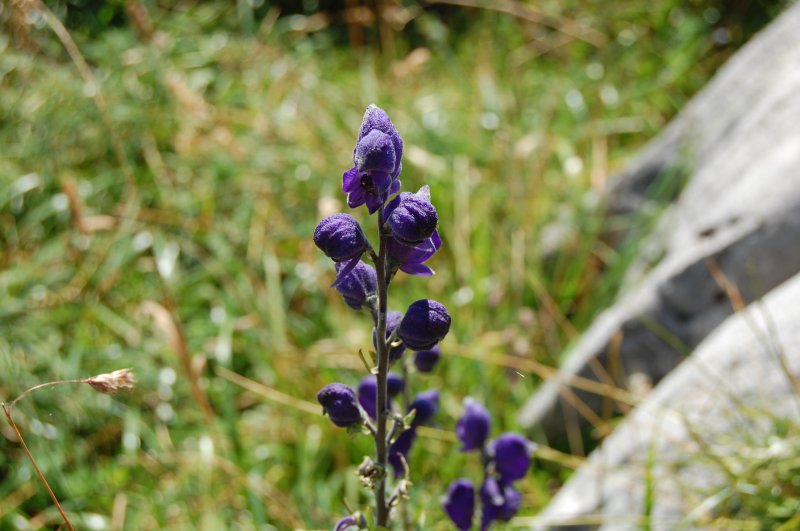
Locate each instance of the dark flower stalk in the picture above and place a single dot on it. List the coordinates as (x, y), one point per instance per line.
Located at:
(407, 237)
(381, 443)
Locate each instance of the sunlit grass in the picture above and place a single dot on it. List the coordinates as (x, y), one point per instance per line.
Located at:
(162, 221)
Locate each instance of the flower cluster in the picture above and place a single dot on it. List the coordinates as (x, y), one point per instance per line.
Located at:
(407, 238)
(506, 459)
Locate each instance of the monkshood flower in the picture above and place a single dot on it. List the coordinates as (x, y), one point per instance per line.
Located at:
(511, 453)
(412, 218)
(410, 259)
(425, 405)
(426, 360)
(340, 237)
(500, 502)
(341, 404)
(377, 162)
(350, 523)
(425, 323)
(459, 503)
(392, 322)
(401, 447)
(473, 427)
(368, 391)
(358, 285)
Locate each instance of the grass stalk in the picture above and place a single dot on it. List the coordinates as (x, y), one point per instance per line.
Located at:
(7, 410)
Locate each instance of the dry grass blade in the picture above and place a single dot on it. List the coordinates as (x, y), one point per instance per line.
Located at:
(517, 9)
(268, 392)
(170, 327)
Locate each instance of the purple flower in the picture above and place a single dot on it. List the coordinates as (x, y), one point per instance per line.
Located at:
(411, 217)
(394, 384)
(500, 502)
(340, 237)
(459, 503)
(376, 160)
(473, 427)
(401, 447)
(410, 258)
(340, 403)
(426, 404)
(392, 321)
(368, 391)
(511, 453)
(425, 323)
(358, 285)
(354, 521)
(426, 360)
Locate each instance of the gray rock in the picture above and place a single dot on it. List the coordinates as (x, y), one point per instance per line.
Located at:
(720, 405)
(739, 140)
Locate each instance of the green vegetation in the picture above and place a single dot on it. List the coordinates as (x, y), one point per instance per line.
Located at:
(156, 212)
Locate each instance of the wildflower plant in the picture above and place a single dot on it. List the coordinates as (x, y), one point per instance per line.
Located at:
(504, 460)
(407, 238)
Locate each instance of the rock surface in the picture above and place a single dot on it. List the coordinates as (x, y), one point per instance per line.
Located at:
(738, 215)
(720, 405)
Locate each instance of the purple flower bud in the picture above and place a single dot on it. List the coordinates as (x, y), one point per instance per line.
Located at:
(425, 323)
(410, 258)
(401, 447)
(392, 321)
(459, 503)
(426, 360)
(473, 427)
(394, 384)
(411, 217)
(500, 502)
(376, 162)
(340, 403)
(376, 119)
(511, 453)
(340, 237)
(426, 404)
(368, 394)
(375, 153)
(358, 285)
(368, 391)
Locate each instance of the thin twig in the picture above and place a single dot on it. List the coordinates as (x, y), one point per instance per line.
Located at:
(7, 411)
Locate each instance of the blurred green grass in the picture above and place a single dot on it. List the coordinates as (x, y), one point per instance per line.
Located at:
(170, 204)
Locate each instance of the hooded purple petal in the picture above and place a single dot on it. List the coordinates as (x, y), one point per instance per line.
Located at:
(411, 217)
(358, 285)
(402, 446)
(425, 323)
(375, 152)
(473, 427)
(426, 405)
(511, 453)
(376, 119)
(426, 360)
(340, 403)
(500, 502)
(459, 503)
(340, 237)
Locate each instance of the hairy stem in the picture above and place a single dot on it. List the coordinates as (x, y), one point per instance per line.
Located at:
(381, 450)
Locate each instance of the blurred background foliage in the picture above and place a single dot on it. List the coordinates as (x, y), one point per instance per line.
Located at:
(163, 165)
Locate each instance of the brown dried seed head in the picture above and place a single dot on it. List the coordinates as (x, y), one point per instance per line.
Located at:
(112, 382)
